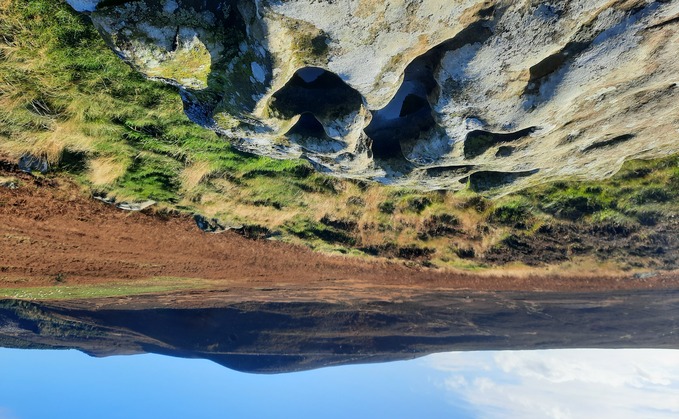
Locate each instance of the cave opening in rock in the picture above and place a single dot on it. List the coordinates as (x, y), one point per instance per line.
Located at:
(478, 142)
(308, 126)
(412, 104)
(315, 90)
(309, 133)
(409, 114)
(310, 74)
(406, 116)
(485, 180)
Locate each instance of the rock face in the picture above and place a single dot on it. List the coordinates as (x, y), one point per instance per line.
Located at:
(425, 93)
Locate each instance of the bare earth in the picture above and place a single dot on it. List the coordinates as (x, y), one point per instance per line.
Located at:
(50, 226)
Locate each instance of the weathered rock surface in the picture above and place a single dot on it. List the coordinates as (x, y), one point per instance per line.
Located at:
(426, 93)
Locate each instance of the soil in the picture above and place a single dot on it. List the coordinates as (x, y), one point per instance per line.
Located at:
(50, 228)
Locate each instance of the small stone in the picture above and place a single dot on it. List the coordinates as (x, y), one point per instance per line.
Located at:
(29, 163)
(645, 275)
(208, 225)
(103, 198)
(9, 183)
(135, 206)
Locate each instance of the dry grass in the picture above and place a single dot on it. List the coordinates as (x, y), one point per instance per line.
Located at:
(106, 170)
(192, 175)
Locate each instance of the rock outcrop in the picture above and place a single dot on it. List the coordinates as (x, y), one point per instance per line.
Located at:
(424, 93)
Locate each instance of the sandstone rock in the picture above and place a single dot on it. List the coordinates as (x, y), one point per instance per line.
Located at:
(422, 93)
(213, 225)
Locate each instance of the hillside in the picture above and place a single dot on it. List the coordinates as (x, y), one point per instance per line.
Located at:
(131, 132)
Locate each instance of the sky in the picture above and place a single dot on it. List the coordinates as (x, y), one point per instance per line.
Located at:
(516, 384)
(573, 383)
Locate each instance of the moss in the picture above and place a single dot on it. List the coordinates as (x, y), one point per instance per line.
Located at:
(316, 183)
(417, 204)
(59, 292)
(309, 42)
(344, 224)
(648, 217)
(152, 177)
(412, 251)
(516, 242)
(613, 223)
(226, 121)
(477, 202)
(73, 161)
(390, 249)
(464, 252)
(576, 201)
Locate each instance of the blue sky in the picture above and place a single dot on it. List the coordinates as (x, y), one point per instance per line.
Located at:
(69, 384)
(517, 384)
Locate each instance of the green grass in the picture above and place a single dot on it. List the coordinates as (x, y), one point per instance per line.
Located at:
(62, 292)
(63, 92)
(511, 211)
(311, 230)
(639, 187)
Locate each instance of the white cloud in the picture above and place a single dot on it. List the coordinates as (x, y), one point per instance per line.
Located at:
(565, 383)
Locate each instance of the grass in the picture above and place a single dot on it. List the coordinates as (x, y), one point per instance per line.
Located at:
(62, 292)
(637, 190)
(66, 97)
(511, 211)
(190, 65)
